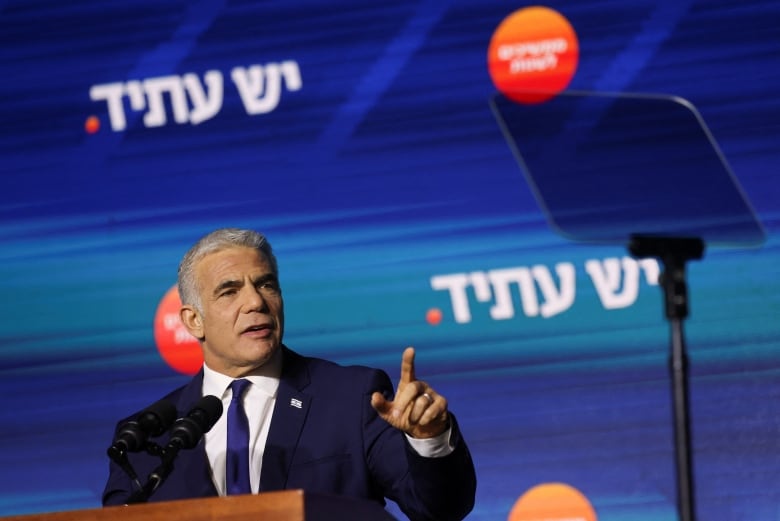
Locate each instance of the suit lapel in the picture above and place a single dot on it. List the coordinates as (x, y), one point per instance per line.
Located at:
(290, 411)
(193, 462)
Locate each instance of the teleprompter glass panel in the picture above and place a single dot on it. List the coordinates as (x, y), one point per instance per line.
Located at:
(607, 166)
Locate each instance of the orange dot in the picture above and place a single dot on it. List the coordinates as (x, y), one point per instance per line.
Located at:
(92, 124)
(552, 502)
(433, 316)
(177, 347)
(533, 54)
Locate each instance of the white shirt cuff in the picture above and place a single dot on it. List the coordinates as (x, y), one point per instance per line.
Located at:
(436, 447)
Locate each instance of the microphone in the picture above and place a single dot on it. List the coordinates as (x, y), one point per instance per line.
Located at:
(153, 421)
(185, 434)
(187, 431)
(132, 435)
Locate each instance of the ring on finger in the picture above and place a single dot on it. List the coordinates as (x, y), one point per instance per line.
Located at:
(430, 398)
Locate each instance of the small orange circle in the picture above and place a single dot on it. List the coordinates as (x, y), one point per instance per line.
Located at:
(180, 350)
(533, 54)
(433, 316)
(552, 502)
(92, 124)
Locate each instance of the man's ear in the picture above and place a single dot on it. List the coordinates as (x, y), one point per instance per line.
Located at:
(192, 320)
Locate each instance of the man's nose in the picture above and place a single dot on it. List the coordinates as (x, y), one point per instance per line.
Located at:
(254, 300)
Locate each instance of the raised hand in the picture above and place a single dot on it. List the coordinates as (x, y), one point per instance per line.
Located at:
(416, 409)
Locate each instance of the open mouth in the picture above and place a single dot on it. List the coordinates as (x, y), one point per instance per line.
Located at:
(260, 328)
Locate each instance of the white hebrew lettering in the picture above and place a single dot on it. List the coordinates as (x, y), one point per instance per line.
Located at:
(495, 285)
(204, 106)
(481, 285)
(456, 284)
(112, 93)
(652, 270)
(292, 75)
(501, 280)
(616, 281)
(135, 92)
(556, 301)
(155, 88)
(608, 274)
(260, 87)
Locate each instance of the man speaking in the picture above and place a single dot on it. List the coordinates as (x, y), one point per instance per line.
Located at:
(290, 421)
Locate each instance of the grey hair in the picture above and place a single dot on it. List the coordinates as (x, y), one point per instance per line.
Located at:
(215, 241)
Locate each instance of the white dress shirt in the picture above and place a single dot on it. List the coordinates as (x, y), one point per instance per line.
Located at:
(259, 400)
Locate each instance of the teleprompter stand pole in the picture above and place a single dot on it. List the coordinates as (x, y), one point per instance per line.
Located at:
(674, 252)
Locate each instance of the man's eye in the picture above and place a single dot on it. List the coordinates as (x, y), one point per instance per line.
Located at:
(227, 292)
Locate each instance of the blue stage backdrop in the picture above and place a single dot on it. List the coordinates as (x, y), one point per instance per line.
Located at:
(360, 138)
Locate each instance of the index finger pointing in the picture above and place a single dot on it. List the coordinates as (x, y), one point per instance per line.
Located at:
(407, 366)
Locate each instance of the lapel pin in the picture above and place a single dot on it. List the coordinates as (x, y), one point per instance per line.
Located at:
(295, 402)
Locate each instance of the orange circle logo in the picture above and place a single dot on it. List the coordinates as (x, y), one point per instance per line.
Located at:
(552, 502)
(176, 345)
(533, 54)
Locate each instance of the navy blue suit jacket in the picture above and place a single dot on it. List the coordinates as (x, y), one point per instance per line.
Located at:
(332, 443)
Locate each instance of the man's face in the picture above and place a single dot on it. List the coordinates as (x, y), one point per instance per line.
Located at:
(242, 322)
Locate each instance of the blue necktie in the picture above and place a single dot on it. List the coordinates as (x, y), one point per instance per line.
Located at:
(237, 460)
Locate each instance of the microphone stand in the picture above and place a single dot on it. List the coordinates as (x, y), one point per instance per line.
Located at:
(158, 475)
(119, 457)
(674, 253)
(185, 434)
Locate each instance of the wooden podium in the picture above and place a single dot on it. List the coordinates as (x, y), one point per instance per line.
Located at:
(284, 505)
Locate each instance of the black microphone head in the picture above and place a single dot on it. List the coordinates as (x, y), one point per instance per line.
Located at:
(152, 421)
(130, 437)
(187, 431)
(206, 412)
(158, 417)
